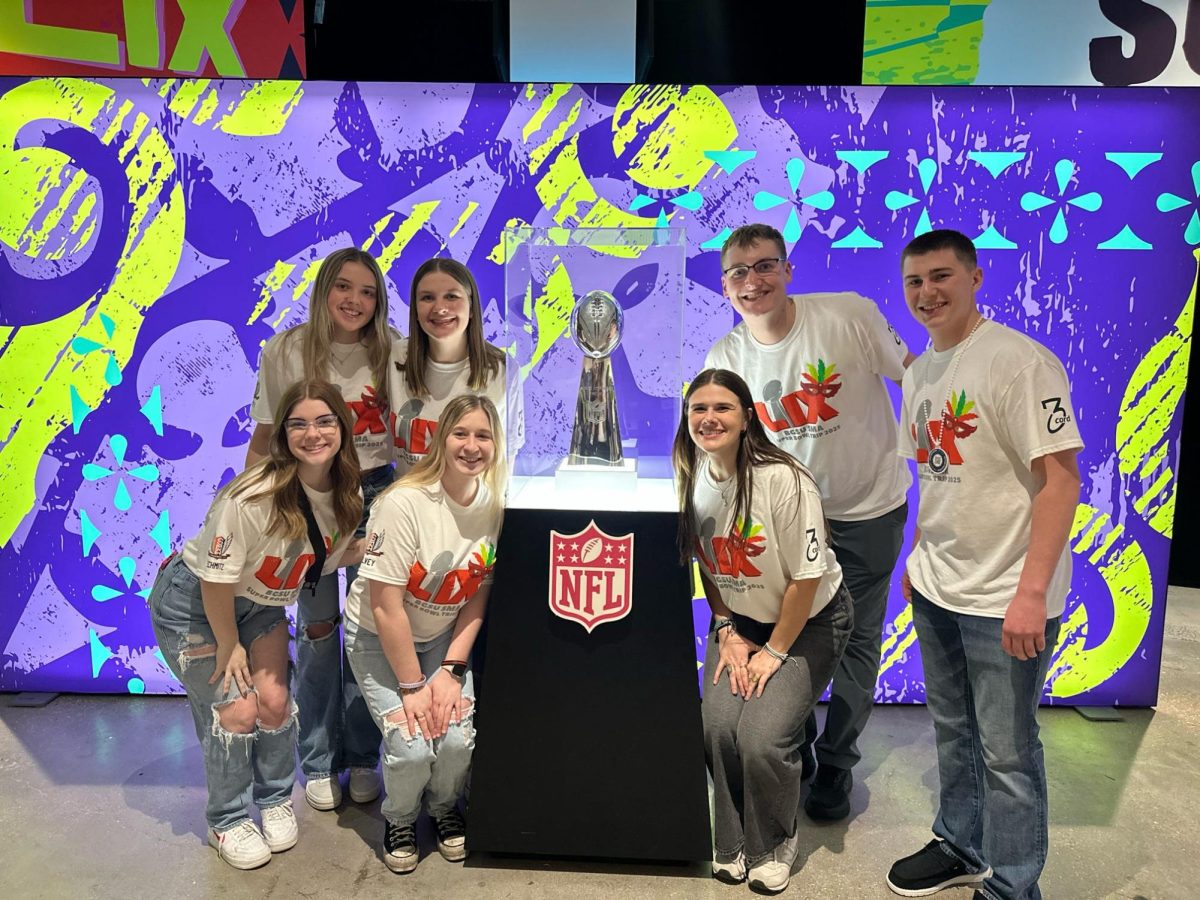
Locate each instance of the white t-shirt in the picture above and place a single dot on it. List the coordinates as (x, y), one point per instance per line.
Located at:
(414, 419)
(234, 548)
(1011, 404)
(820, 396)
(752, 562)
(439, 552)
(282, 365)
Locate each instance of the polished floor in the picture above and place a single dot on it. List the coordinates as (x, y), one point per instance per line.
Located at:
(103, 797)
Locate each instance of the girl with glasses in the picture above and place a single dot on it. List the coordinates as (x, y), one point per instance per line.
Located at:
(412, 619)
(217, 608)
(752, 517)
(346, 341)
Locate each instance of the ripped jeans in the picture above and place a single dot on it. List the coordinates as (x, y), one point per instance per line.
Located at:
(259, 765)
(412, 767)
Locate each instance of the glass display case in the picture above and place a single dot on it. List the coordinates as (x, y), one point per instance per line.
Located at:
(586, 373)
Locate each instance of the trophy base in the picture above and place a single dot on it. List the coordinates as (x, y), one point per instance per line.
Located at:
(594, 478)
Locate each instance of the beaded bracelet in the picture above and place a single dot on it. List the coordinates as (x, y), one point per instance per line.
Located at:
(773, 653)
(412, 685)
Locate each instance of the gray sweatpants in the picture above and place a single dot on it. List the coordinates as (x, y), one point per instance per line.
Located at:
(753, 746)
(867, 552)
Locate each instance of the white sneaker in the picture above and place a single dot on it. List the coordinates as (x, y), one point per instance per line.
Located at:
(364, 785)
(242, 846)
(773, 874)
(279, 827)
(730, 871)
(323, 793)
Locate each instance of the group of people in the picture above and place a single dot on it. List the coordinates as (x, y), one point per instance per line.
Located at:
(793, 499)
(793, 486)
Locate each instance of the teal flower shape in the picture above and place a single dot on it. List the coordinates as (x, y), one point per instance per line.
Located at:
(822, 200)
(692, 200)
(126, 565)
(1064, 171)
(83, 346)
(1168, 202)
(95, 472)
(896, 201)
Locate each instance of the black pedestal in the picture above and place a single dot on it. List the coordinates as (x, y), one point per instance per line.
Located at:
(589, 744)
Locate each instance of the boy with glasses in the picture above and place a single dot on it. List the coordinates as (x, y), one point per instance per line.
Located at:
(815, 364)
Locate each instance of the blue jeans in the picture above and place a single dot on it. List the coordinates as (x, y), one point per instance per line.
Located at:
(413, 767)
(990, 760)
(336, 730)
(259, 766)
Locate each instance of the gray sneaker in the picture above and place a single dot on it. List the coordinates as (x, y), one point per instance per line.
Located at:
(772, 874)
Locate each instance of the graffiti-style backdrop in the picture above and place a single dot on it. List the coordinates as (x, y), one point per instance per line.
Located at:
(155, 233)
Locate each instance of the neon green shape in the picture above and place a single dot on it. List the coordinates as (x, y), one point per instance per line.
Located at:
(143, 33)
(54, 42)
(204, 31)
(922, 41)
(263, 109)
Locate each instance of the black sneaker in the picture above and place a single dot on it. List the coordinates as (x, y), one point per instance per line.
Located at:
(400, 847)
(930, 870)
(829, 799)
(451, 835)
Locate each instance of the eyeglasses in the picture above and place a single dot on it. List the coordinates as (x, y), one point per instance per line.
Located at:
(300, 426)
(769, 266)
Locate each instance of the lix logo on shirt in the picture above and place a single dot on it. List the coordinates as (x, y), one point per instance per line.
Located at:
(731, 555)
(807, 406)
(368, 412)
(937, 444)
(443, 585)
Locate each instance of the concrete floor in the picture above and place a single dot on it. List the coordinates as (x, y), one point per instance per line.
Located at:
(104, 797)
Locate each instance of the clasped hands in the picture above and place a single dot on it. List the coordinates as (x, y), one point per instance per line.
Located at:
(749, 668)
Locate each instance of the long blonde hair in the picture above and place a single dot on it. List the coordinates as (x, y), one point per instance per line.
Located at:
(485, 361)
(278, 476)
(316, 334)
(430, 468)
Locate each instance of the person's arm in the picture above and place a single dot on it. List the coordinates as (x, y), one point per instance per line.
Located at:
(260, 444)
(733, 650)
(448, 705)
(395, 636)
(232, 663)
(1056, 480)
(908, 358)
(794, 610)
(354, 553)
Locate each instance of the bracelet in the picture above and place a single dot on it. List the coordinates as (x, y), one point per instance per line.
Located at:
(723, 622)
(454, 662)
(412, 685)
(773, 653)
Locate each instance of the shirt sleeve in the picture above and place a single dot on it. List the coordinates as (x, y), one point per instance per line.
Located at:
(885, 348)
(224, 541)
(906, 445)
(392, 541)
(1036, 413)
(800, 524)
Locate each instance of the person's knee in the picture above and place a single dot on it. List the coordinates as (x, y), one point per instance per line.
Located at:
(238, 716)
(274, 709)
(314, 632)
(400, 745)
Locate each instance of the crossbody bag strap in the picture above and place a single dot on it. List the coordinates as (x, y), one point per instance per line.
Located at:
(313, 575)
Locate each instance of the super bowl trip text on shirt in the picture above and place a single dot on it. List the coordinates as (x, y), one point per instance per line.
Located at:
(234, 548)
(439, 552)
(974, 442)
(282, 365)
(819, 395)
(752, 560)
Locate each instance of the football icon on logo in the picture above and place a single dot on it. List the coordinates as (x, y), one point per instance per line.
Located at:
(591, 550)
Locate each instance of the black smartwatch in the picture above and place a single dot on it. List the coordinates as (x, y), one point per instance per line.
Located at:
(455, 667)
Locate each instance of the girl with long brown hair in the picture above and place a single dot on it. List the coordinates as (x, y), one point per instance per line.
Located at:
(346, 341)
(781, 617)
(412, 619)
(217, 608)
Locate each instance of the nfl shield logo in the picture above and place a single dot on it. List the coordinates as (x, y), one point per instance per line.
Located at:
(591, 576)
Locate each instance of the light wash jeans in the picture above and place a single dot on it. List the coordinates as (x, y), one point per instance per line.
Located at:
(259, 766)
(753, 746)
(990, 761)
(412, 767)
(336, 730)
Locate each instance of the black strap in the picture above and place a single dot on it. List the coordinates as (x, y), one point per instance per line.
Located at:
(313, 575)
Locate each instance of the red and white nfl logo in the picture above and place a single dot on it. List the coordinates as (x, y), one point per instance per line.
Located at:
(591, 576)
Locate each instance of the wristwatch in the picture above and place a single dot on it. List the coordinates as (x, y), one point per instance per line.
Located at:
(456, 667)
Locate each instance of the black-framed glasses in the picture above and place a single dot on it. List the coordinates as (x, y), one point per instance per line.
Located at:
(769, 266)
(323, 423)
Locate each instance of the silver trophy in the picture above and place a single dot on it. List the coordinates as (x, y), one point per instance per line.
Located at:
(596, 323)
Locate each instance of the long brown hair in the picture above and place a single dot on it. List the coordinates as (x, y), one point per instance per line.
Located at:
(485, 360)
(316, 334)
(430, 468)
(278, 476)
(754, 449)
